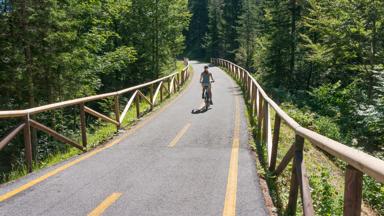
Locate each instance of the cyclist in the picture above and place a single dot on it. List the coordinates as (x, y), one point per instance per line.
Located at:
(205, 80)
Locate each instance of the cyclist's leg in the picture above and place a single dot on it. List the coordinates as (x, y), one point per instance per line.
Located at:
(202, 91)
(210, 93)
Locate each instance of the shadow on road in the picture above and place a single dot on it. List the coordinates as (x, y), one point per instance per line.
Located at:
(200, 111)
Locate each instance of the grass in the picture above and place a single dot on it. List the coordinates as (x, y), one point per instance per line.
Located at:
(326, 175)
(97, 134)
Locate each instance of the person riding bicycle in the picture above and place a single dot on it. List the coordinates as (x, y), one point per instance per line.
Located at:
(205, 80)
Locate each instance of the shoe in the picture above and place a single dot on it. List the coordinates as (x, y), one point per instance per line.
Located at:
(211, 103)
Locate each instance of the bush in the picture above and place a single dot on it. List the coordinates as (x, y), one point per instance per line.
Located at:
(327, 127)
(373, 193)
(303, 117)
(326, 200)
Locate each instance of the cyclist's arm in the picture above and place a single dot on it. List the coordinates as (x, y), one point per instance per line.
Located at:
(212, 78)
(201, 78)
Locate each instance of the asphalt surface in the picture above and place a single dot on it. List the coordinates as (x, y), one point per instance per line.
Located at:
(189, 178)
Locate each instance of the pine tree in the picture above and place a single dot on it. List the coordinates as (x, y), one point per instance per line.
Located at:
(197, 29)
(247, 34)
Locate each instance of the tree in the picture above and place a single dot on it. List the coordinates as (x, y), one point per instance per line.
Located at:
(247, 27)
(197, 29)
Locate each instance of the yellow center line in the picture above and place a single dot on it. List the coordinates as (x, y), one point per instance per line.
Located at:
(105, 204)
(33, 182)
(179, 135)
(230, 195)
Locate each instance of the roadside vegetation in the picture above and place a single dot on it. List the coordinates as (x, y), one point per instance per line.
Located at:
(53, 51)
(98, 133)
(321, 60)
(325, 173)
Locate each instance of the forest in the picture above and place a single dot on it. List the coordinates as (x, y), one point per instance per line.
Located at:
(56, 50)
(325, 56)
(322, 60)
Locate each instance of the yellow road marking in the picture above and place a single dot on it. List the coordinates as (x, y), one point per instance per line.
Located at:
(31, 183)
(230, 195)
(179, 135)
(105, 204)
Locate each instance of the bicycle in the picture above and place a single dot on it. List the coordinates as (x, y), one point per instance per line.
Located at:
(207, 99)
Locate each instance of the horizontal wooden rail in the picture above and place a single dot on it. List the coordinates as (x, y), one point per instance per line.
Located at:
(21, 113)
(358, 162)
(174, 82)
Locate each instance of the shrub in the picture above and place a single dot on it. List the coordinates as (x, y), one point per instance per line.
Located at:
(373, 193)
(326, 199)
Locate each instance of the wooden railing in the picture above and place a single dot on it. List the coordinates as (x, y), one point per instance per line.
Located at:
(164, 87)
(359, 163)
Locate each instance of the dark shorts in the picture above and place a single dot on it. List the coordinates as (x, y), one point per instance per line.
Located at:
(206, 85)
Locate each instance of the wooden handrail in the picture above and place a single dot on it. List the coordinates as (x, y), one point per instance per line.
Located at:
(358, 161)
(35, 110)
(364, 162)
(117, 120)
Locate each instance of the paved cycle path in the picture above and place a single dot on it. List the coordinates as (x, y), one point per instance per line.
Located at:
(174, 163)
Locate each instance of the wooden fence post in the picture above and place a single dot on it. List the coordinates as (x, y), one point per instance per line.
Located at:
(161, 93)
(246, 86)
(250, 87)
(178, 81)
(138, 106)
(269, 133)
(83, 126)
(257, 101)
(275, 142)
(353, 191)
(302, 178)
(28, 143)
(293, 193)
(260, 104)
(169, 87)
(252, 99)
(260, 115)
(117, 111)
(151, 95)
(265, 122)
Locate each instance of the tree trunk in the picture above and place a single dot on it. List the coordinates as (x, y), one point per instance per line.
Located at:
(28, 67)
(293, 41)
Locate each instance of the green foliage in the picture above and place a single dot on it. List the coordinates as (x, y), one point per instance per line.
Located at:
(53, 50)
(304, 118)
(326, 99)
(327, 127)
(246, 29)
(373, 192)
(323, 59)
(51, 152)
(197, 29)
(326, 199)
